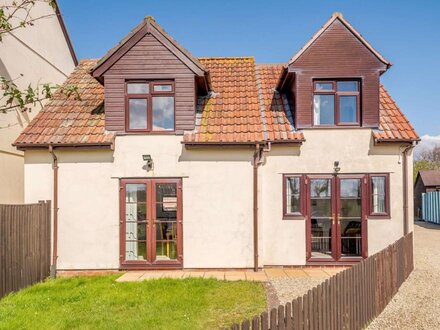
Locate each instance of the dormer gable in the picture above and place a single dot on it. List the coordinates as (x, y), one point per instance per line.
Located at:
(337, 52)
(338, 25)
(148, 26)
(151, 82)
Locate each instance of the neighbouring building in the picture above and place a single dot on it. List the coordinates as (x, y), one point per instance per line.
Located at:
(37, 54)
(426, 181)
(173, 161)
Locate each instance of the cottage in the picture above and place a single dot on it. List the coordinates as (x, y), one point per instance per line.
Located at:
(172, 161)
(426, 181)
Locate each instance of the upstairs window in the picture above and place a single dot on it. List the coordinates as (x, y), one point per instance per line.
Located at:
(336, 103)
(149, 106)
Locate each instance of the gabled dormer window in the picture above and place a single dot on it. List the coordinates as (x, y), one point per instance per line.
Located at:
(149, 106)
(336, 103)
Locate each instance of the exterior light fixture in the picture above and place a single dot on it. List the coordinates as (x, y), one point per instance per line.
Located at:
(336, 167)
(149, 162)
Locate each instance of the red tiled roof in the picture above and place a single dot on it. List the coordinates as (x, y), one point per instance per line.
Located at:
(394, 126)
(276, 112)
(232, 112)
(69, 121)
(244, 107)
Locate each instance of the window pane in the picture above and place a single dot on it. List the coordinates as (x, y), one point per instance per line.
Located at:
(321, 233)
(166, 201)
(293, 195)
(320, 198)
(137, 88)
(324, 86)
(135, 192)
(378, 194)
(320, 188)
(350, 198)
(348, 109)
(166, 250)
(163, 113)
(351, 237)
(324, 106)
(347, 86)
(350, 188)
(135, 250)
(137, 113)
(163, 88)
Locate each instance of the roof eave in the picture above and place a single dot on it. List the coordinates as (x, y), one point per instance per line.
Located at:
(387, 140)
(37, 146)
(247, 143)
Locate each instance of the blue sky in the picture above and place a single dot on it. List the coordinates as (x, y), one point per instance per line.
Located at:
(405, 32)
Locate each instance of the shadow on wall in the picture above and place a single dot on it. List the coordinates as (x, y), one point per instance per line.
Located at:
(217, 154)
(66, 156)
(22, 117)
(390, 149)
(233, 154)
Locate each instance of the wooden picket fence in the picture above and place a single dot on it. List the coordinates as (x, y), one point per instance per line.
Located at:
(24, 245)
(349, 300)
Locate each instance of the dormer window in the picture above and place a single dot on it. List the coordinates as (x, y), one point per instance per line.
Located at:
(149, 106)
(336, 103)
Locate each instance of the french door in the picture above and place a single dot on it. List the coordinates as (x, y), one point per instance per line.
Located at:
(336, 218)
(151, 223)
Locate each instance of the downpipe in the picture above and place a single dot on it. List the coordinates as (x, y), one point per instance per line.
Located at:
(257, 161)
(404, 152)
(53, 267)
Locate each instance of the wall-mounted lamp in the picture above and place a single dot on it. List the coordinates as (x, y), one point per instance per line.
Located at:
(149, 162)
(336, 167)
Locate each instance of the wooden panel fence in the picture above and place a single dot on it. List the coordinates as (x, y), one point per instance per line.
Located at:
(349, 300)
(24, 245)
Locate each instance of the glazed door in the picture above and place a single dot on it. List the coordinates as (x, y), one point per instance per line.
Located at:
(167, 222)
(321, 220)
(151, 223)
(336, 222)
(351, 217)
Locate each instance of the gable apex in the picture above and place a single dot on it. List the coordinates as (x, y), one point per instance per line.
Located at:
(148, 26)
(338, 16)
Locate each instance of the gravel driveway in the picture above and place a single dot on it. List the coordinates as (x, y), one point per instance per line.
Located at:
(417, 304)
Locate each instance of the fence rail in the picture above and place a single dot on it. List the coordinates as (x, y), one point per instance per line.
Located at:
(431, 206)
(24, 245)
(349, 300)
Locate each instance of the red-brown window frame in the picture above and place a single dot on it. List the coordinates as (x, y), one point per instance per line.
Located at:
(150, 230)
(337, 94)
(149, 97)
(302, 187)
(387, 213)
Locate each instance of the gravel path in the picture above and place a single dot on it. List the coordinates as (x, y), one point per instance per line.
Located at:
(288, 289)
(417, 304)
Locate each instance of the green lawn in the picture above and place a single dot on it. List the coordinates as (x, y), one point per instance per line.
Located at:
(101, 303)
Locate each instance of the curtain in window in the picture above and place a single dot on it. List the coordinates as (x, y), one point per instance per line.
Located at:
(316, 110)
(131, 252)
(378, 194)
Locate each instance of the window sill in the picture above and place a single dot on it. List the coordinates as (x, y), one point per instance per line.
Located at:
(149, 133)
(379, 217)
(294, 217)
(336, 127)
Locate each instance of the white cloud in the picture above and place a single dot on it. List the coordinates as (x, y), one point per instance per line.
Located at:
(427, 142)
